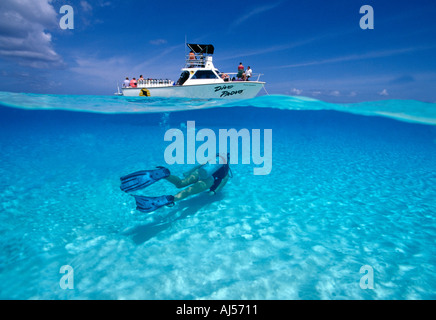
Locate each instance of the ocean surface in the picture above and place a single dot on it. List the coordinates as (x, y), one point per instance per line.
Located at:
(352, 188)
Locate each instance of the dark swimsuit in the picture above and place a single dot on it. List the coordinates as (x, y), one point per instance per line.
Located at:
(219, 175)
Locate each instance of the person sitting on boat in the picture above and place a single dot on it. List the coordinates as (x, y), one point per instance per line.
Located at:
(141, 80)
(225, 77)
(133, 83)
(126, 83)
(240, 70)
(248, 73)
(200, 178)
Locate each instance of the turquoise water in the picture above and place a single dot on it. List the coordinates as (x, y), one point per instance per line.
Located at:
(351, 185)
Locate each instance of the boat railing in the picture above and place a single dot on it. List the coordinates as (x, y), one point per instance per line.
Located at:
(233, 76)
(195, 63)
(154, 83)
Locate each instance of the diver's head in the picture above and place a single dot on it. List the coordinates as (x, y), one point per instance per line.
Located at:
(225, 157)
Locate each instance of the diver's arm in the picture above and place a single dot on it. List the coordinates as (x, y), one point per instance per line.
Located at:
(222, 184)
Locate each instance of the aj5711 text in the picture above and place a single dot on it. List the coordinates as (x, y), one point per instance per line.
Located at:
(232, 309)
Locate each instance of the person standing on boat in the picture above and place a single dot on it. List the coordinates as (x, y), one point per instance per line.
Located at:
(240, 70)
(192, 58)
(126, 83)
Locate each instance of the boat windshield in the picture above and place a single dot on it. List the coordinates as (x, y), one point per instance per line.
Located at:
(183, 77)
(204, 74)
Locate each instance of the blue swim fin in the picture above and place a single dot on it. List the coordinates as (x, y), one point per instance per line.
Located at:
(149, 204)
(141, 179)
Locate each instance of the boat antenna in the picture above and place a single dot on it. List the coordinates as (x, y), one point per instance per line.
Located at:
(186, 41)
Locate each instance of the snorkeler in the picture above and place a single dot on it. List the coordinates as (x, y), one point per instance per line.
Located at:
(198, 179)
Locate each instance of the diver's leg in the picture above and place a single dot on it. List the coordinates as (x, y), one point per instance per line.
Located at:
(179, 183)
(197, 187)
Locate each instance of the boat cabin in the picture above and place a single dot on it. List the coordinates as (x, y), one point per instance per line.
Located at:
(199, 68)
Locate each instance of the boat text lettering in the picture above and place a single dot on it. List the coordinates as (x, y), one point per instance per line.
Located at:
(219, 88)
(225, 92)
(230, 93)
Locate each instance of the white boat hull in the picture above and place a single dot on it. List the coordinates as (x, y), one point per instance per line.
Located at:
(224, 90)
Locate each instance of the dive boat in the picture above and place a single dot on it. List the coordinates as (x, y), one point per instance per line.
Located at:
(199, 79)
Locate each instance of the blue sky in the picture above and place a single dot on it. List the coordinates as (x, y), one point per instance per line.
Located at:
(312, 48)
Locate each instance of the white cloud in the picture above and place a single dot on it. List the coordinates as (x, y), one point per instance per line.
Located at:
(335, 93)
(158, 42)
(356, 57)
(384, 92)
(23, 35)
(253, 12)
(245, 52)
(296, 91)
(85, 6)
(100, 68)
